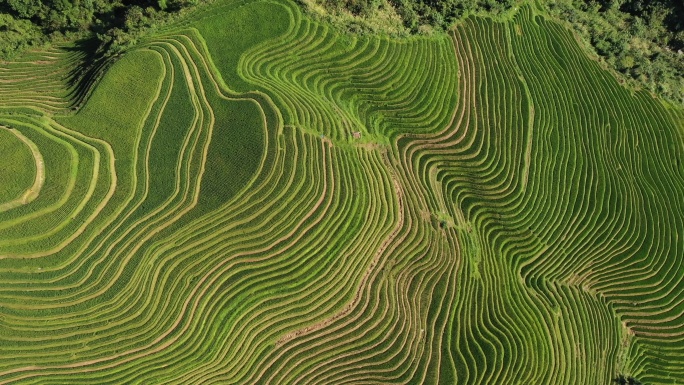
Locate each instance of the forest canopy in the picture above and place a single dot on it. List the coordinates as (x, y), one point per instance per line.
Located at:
(25, 23)
(642, 40)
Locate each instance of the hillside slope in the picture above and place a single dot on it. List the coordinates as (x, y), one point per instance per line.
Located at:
(251, 197)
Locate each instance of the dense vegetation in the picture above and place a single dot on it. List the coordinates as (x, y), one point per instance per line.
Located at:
(115, 23)
(248, 195)
(643, 40)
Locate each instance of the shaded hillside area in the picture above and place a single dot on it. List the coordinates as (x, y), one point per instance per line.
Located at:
(116, 24)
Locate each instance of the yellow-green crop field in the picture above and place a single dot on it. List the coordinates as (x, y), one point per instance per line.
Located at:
(249, 196)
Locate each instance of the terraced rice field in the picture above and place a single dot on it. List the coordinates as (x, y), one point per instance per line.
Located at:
(505, 213)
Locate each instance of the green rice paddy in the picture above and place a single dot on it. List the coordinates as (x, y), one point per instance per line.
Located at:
(251, 196)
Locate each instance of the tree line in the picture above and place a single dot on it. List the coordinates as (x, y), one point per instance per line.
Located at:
(114, 23)
(641, 39)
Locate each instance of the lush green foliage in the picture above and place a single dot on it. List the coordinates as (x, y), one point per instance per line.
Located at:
(642, 40)
(293, 204)
(116, 23)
